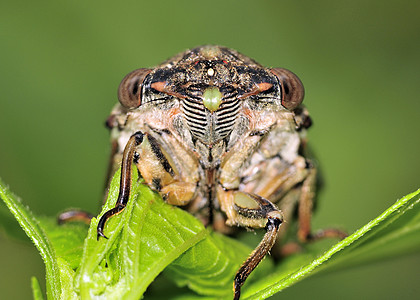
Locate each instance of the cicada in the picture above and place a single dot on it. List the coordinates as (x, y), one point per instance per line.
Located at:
(218, 134)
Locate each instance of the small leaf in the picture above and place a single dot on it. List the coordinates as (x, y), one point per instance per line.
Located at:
(30, 225)
(67, 275)
(36, 289)
(209, 267)
(67, 239)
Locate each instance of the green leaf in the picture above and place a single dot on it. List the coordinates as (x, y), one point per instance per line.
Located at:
(67, 275)
(150, 236)
(147, 236)
(67, 239)
(36, 289)
(210, 266)
(30, 225)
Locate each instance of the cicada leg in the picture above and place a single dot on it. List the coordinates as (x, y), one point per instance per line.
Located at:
(125, 181)
(74, 215)
(158, 171)
(302, 196)
(251, 210)
(290, 187)
(305, 208)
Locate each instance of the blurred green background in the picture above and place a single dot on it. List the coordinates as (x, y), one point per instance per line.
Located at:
(61, 63)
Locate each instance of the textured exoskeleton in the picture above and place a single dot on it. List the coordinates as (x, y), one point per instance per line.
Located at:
(213, 131)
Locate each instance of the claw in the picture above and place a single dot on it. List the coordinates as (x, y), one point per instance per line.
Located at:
(100, 234)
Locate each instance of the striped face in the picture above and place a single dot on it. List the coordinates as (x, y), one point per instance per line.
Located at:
(212, 86)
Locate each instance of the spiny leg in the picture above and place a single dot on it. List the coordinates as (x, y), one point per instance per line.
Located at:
(274, 220)
(305, 209)
(125, 181)
(252, 211)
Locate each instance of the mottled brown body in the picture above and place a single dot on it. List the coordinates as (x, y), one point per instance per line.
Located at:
(215, 132)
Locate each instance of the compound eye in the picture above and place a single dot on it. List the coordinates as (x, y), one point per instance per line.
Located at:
(129, 91)
(291, 87)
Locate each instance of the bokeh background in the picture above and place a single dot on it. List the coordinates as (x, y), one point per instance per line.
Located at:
(61, 63)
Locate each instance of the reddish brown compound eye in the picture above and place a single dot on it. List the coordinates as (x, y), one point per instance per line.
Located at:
(291, 88)
(129, 91)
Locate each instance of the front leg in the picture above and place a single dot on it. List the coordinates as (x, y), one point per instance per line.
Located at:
(125, 181)
(158, 171)
(251, 210)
